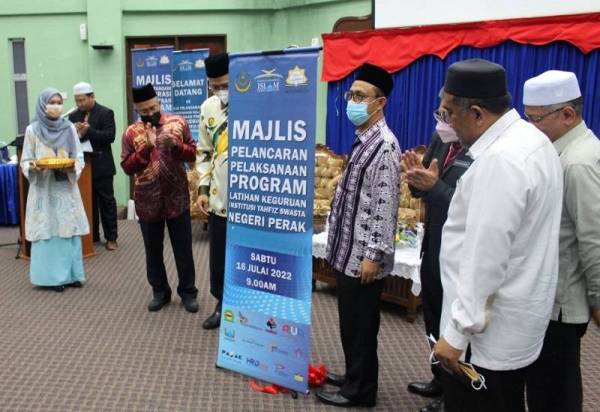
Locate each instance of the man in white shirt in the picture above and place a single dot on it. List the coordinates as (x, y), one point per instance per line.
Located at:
(553, 103)
(499, 254)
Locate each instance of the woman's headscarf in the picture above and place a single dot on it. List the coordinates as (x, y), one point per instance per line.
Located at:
(55, 133)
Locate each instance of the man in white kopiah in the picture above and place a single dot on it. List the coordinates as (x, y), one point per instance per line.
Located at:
(96, 124)
(553, 103)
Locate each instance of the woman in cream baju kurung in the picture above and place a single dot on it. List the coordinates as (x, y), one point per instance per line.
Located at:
(55, 218)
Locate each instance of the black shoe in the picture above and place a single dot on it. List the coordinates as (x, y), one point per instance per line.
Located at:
(190, 304)
(158, 302)
(76, 284)
(337, 399)
(429, 390)
(214, 320)
(59, 288)
(435, 406)
(335, 379)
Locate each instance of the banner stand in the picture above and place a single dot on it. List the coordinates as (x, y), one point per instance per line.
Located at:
(266, 309)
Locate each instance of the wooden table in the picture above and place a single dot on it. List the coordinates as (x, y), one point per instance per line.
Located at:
(396, 289)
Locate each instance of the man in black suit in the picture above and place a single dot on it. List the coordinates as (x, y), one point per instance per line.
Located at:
(96, 124)
(434, 180)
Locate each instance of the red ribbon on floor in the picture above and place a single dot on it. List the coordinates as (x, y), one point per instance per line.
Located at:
(316, 377)
(272, 389)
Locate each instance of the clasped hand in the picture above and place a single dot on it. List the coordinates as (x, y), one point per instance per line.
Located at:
(418, 176)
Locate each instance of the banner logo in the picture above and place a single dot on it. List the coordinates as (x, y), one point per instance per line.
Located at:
(271, 325)
(229, 334)
(268, 81)
(243, 82)
(244, 321)
(232, 356)
(291, 330)
(151, 61)
(257, 364)
(185, 65)
(296, 77)
(280, 370)
(276, 349)
(253, 342)
(228, 315)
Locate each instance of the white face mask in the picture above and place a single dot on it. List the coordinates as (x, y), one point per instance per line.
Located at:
(447, 134)
(223, 95)
(54, 110)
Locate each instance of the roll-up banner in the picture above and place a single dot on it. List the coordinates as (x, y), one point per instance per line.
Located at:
(266, 313)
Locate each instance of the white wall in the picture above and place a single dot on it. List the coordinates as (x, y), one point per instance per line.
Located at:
(402, 13)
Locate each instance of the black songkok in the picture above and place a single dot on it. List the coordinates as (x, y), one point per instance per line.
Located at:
(376, 76)
(141, 94)
(476, 78)
(217, 65)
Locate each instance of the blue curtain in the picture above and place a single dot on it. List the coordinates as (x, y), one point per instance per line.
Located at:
(410, 107)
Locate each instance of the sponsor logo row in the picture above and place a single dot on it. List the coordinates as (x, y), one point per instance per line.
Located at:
(230, 335)
(277, 368)
(271, 325)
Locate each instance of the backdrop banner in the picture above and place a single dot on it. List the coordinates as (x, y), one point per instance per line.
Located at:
(189, 85)
(154, 66)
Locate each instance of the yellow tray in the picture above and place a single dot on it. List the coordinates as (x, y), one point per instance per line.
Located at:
(55, 163)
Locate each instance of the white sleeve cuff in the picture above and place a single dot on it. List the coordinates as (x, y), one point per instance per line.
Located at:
(455, 338)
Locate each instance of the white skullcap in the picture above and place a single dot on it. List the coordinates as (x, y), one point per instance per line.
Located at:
(551, 87)
(82, 88)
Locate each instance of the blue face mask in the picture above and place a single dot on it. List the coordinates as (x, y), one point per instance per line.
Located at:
(357, 113)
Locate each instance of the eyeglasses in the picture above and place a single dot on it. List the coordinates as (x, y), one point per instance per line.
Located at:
(357, 97)
(441, 116)
(537, 119)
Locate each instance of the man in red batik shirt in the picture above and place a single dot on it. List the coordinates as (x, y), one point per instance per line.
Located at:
(154, 150)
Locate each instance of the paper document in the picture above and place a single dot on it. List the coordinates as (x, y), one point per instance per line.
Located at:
(86, 147)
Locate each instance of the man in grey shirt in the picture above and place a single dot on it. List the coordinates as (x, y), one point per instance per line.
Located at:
(553, 103)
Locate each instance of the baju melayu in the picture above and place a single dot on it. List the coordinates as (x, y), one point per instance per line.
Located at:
(162, 198)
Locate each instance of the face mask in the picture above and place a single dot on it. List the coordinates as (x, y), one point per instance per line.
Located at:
(153, 119)
(447, 134)
(223, 95)
(357, 113)
(54, 110)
